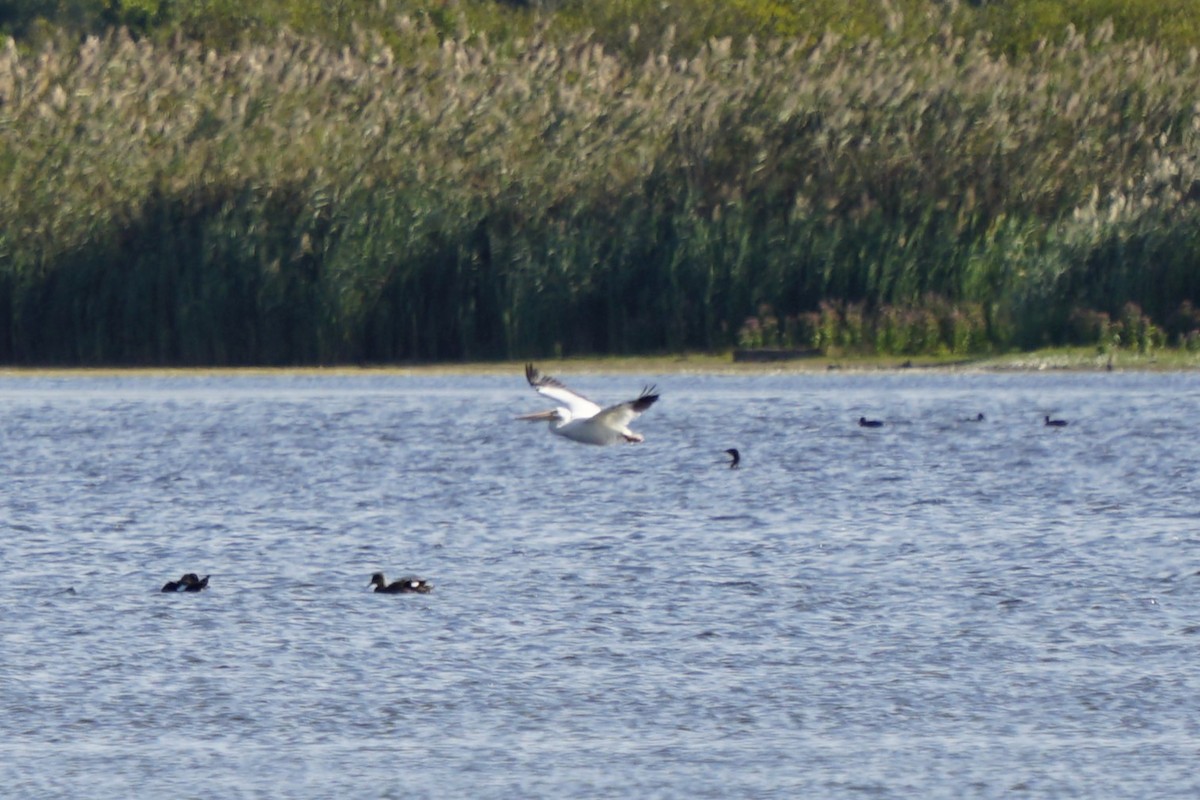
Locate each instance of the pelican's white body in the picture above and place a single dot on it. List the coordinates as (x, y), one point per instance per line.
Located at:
(593, 430)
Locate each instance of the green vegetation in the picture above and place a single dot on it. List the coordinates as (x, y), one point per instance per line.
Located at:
(294, 183)
(1012, 27)
(935, 327)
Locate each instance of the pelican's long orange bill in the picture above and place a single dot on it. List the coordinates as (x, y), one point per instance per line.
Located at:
(539, 416)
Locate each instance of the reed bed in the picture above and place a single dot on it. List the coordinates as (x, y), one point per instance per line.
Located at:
(433, 199)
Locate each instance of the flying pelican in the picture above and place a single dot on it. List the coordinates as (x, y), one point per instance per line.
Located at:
(583, 421)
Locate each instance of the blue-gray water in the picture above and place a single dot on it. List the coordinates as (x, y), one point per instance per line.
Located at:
(931, 609)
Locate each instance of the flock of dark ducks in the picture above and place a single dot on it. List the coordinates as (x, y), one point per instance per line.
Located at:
(735, 458)
(409, 584)
(863, 422)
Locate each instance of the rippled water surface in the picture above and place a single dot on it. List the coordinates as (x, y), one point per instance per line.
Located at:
(931, 609)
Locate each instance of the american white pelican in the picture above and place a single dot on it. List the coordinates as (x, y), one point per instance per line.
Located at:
(582, 420)
(735, 457)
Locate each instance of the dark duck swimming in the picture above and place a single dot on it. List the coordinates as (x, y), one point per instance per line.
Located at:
(409, 584)
(191, 582)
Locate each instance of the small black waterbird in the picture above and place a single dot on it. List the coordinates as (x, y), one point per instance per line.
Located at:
(191, 582)
(409, 584)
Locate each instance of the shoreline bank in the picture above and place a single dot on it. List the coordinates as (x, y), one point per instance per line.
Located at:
(1058, 359)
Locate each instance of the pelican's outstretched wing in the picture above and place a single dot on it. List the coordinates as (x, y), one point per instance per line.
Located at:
(620, 415)
(580, 406)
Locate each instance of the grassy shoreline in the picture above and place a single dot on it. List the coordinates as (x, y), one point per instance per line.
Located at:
(292, 203)
(1081, 359)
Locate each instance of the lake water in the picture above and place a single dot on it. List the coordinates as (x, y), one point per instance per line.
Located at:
(932, 609)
